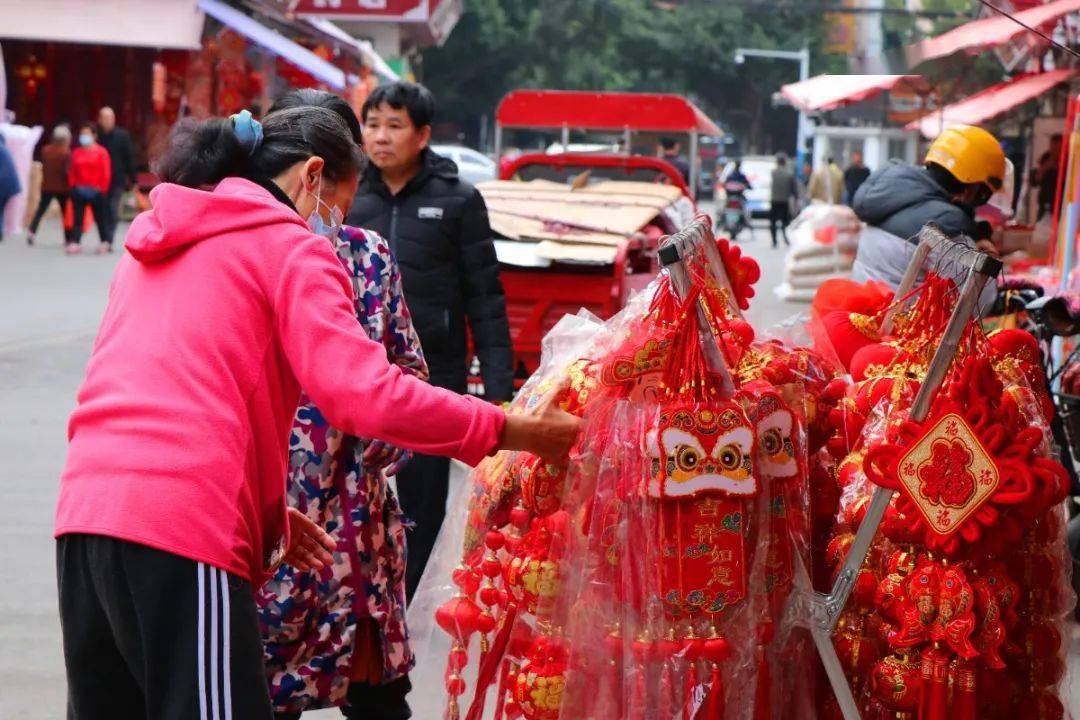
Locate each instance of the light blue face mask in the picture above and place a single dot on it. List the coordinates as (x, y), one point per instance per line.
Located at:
(86, 140)
(319, 226)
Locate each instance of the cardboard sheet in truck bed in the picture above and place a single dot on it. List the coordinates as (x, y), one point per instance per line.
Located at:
(543, 221)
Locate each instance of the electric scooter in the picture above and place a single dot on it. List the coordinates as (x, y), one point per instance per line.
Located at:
(733, 217)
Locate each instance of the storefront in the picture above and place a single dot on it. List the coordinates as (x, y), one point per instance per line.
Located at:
(65, 59)
(861, 113)
(217, 58)
(155, 61)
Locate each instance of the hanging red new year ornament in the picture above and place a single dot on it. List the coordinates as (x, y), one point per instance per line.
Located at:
(967, 594)
(650, 576)
(973, 464)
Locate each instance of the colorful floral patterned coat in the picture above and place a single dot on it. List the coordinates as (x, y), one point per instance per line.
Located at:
(309, 619)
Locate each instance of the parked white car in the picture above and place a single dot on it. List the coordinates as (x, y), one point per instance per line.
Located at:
(473, 166)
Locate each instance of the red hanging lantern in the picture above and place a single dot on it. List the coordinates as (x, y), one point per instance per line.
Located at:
(32, 72)
(541, 679)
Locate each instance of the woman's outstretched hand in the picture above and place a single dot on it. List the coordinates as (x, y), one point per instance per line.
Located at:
(547, 431)
(310, 546)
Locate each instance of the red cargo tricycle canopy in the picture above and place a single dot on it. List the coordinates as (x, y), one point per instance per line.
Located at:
(647, 112)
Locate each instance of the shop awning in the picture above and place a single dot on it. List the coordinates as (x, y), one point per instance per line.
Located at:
(827, 92)
(616, 111)
(990, 32)
(173, 24)
(991, 102)
(276, 43)
(380, 66)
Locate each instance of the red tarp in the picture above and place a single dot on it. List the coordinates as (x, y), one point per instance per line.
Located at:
(648, 112)
(990, 102)
(826, 92)
(990, 32)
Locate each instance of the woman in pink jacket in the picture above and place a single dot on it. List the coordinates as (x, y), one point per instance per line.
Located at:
(171, 502)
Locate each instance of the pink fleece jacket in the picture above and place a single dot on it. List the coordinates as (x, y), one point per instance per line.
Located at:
(224, 307)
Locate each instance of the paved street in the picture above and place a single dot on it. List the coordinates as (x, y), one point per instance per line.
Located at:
(51, 305)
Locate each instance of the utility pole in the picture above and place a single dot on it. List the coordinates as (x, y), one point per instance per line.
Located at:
(870, 39)
(803, 58)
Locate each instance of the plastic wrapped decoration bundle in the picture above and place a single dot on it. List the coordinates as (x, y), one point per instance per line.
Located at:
(959, 609)
(649, 578)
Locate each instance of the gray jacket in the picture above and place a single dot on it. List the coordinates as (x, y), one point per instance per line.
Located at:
(883, 256)
(783, 185)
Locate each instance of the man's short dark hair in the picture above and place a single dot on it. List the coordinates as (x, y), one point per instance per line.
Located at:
(668, 143)
(416, 99)
(781, 159)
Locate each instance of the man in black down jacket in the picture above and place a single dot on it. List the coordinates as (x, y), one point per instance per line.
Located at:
(437, 226)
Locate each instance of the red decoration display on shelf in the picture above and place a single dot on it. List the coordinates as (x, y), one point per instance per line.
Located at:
(658, 573)
(964, 572)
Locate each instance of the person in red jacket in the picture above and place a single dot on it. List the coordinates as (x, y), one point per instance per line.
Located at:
(89, 177)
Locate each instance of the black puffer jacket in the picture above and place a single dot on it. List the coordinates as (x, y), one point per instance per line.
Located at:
(438, 228)
(901, 198)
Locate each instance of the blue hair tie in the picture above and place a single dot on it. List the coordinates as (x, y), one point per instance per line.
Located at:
(248, 130)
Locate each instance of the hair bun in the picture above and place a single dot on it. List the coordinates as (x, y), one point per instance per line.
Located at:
(248, 130)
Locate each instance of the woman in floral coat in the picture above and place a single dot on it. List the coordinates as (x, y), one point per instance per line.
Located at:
(337, 636)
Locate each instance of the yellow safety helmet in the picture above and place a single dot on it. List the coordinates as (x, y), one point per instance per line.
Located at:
(971, 154)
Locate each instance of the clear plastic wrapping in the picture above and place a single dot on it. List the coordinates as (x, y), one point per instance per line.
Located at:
(665, 572)
(653, 576)
(960, 610)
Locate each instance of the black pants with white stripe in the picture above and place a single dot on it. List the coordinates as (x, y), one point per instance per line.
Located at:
(153, 636)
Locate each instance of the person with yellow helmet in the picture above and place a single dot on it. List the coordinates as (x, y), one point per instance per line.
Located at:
(963, 168)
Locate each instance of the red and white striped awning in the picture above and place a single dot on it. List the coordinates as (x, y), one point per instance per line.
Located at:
(991, 102)
(990, 32)
(828, 92)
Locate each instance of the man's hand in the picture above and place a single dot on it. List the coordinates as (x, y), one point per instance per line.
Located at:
(988, 247)
(310, 546)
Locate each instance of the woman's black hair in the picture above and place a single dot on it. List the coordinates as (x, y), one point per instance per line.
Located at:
(89, 126)
(310, 97)
(204, 153)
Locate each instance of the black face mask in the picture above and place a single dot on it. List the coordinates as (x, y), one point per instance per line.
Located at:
(983, 195)
(972, 200)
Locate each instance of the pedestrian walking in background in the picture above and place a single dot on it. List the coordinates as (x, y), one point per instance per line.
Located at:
(785, 192)
(827, 183)
(9, 180)
(172, 501)
(437, 226)
(89, 176)
(55, 163)
(1045, 178)
(117, 142)
(670, 149)
(854, 176)
(339, 637)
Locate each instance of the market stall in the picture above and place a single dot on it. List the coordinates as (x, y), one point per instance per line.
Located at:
(879, 138)
(881, 480)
